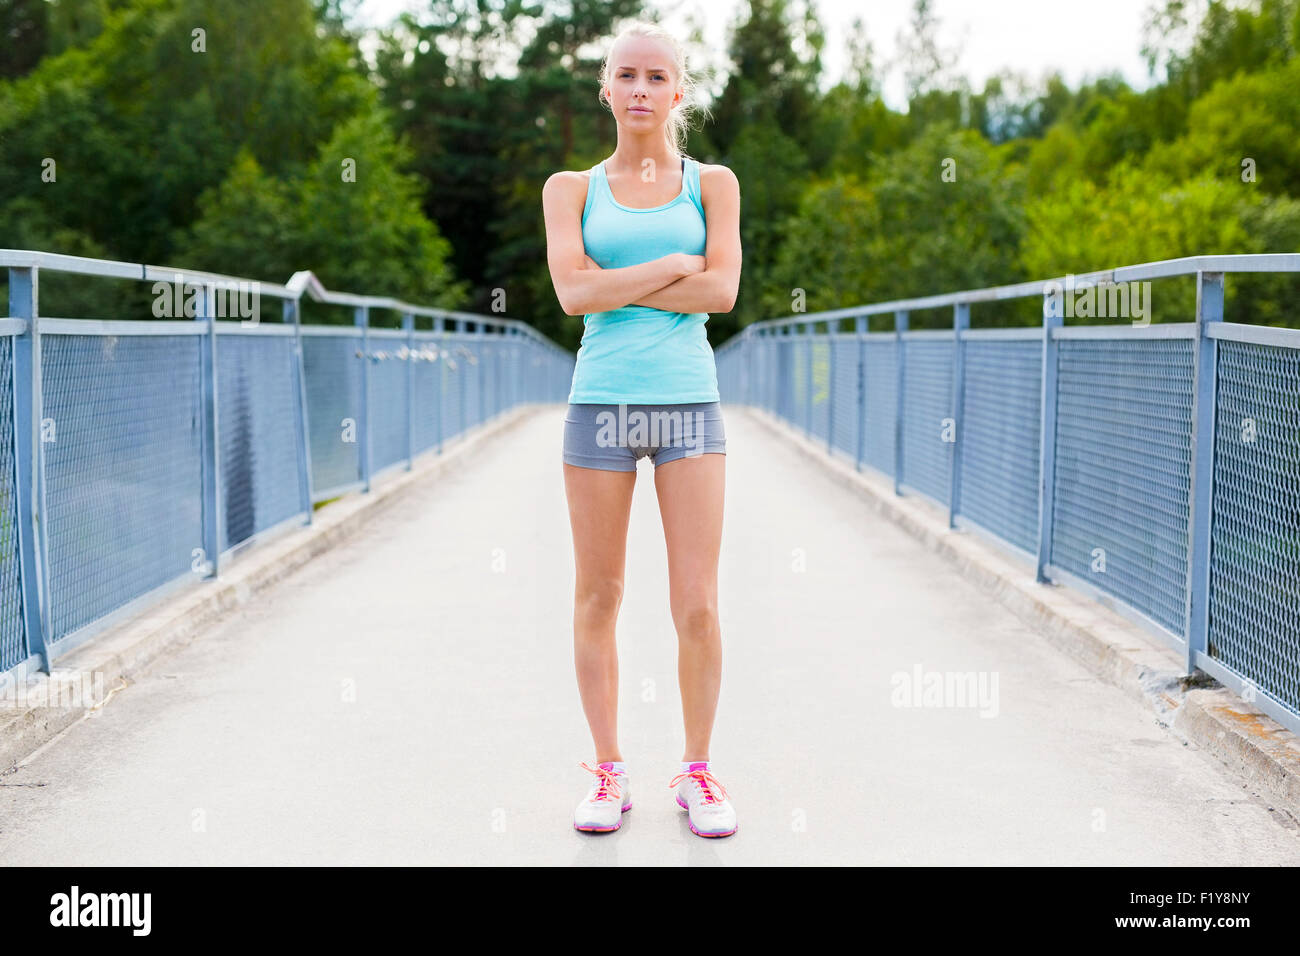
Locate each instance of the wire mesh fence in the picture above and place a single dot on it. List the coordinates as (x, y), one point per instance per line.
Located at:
(138, 455)
(1154, 467)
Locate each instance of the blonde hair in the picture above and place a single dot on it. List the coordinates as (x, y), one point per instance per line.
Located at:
(679, 116)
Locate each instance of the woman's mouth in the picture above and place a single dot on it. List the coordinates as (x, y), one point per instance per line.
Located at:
(637, 109)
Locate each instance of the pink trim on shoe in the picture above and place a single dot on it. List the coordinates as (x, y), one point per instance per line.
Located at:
(609, 790)
(700, 772)
(603, 829)
(701, 833)
(599, 829)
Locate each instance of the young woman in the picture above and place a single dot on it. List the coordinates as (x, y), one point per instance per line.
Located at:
(644, 245)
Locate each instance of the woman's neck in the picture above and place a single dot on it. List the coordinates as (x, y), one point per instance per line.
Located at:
(632, 152)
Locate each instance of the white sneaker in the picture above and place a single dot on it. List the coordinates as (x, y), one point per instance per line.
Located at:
(610, 797)
(709, 809)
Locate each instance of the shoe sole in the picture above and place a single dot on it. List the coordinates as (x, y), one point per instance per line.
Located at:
(604, 829)
(698, 832)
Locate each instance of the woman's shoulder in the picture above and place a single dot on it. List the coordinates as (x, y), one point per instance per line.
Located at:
(717, 179)
(568, 178)
(568, 187)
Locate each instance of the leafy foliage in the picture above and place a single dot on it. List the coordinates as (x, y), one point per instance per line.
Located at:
(231, 158)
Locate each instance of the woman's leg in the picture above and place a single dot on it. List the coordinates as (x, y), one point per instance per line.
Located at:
(600, 503)
(690, 492)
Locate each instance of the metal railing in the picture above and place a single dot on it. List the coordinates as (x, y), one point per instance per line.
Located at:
(1154, 467)
(138, 456)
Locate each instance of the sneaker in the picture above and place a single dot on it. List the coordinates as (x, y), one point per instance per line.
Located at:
(602, 809)
(709, 810)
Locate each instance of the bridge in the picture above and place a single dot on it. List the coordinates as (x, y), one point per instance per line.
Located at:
(276, 592)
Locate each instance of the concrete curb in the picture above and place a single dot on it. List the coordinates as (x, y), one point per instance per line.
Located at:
(1199, 711)
(84, 679)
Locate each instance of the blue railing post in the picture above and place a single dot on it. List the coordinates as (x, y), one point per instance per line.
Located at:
(481, 345)
(787, 391)
(1053, 318)
(291, 310)
(408, 324)
(439, 349)
(960, 323)
(504, 365)
(1209, 310)
(860, 328)
(537, 371)
(750, 389)
(514, 366)
(361, 318)
(774, 387)
(463, 369)
(526, 368)
(831, 329)
(210, 450)
(29, 464)
(767, 357)
(900, 326)
(778, 369)
(807, 382)
(774, 364)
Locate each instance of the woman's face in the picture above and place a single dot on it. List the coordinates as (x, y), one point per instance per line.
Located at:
(642, 85)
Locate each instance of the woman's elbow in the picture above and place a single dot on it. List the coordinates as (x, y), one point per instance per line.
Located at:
(728, 301)
(569, 303)
(572, 306)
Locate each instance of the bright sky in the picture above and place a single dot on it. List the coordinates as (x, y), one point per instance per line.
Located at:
(1081, 38)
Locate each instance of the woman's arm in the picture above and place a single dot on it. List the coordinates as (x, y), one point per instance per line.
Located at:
(714, 289)
(580, 289)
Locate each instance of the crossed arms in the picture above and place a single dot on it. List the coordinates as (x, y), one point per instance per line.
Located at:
(675, 283)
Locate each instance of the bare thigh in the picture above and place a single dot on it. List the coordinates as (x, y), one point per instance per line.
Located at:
(691, 494)
(600, 504)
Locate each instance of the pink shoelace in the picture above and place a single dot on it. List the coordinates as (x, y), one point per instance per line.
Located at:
(706, 782)
(609, 788)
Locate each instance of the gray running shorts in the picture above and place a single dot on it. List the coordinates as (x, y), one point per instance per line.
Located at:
(614, 437)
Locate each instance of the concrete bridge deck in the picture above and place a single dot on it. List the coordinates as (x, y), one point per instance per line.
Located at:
(409, 698)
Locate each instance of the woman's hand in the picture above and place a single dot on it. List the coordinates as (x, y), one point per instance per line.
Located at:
(692, 264)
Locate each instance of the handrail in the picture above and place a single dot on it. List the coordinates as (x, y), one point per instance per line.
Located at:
(427, 403)
(1160, 269)
(304, 282)
(1065, 442)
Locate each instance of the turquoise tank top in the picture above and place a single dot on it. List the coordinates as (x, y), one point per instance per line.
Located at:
(638, 355)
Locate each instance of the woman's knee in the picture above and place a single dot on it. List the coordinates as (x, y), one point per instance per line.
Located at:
(696, 616)
(598, 597)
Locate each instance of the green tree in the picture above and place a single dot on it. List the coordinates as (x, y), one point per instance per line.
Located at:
(940, 215)
(24, 35)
